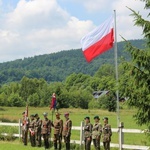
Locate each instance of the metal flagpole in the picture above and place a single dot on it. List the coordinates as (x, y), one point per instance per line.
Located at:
(116, 68)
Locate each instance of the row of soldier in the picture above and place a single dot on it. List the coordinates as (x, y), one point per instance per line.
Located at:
(42, 128)
(95, 132)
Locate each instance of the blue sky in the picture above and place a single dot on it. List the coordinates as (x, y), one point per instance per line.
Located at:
(36, 27)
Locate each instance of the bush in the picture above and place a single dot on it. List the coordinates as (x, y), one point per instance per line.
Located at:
(8, 120)
(10, 131)
(104, 102)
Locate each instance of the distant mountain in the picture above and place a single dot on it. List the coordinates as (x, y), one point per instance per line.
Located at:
(57, 66)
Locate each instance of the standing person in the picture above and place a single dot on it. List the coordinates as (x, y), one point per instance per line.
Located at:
(32, 130)
(25, 125)
(38, 124)
(106, 134)
(87, 133)
(67, 130)
(46, 130)
(58, 128)
(96, 133)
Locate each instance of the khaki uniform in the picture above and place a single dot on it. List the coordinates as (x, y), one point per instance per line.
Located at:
(96, 135)
(58, 128)
(67, 132)
(32, 132)
(106, 135)
(25, 126)
(38, 124)
(88, 135)
(46, 131)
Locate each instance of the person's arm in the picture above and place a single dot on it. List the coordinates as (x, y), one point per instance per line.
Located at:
(69, 126)
(61, 127)
(110, 131)
(90, 129)
(49, 127)
(100, 129)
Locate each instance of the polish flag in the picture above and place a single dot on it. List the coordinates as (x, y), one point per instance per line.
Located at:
(99, 40)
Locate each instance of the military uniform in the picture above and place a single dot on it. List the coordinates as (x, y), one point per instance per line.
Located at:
(32, 130)
(25, 125)
(58, 128)
(46, 130)
(96, 134)
(106, 135)
(88, 134)
(38, 124)
(67, 131)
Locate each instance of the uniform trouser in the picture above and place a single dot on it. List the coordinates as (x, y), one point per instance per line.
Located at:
(46, 140)
(106, 145)
(57, 138)
(24, 136)
(67, 142)
(38, 138)
(87, 143)
(96, 143)
(32, 140)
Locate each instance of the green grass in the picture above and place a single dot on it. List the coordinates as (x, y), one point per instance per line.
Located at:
(16, 145)
(77, 115)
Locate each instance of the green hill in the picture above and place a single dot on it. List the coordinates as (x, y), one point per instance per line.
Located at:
(57, 66)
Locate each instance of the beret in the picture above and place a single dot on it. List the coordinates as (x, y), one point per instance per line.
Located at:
(87, 117)
(96, 117)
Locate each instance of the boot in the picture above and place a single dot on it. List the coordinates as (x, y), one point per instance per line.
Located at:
(55, 146)
(67, 146)
(59, 146)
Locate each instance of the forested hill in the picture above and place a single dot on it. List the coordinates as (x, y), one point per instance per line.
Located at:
(57, 66)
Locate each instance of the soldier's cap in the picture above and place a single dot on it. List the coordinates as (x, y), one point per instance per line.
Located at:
(87, 118)
(23, 112)
(31, 115)
(66, 114)
(57, 114)
(45, 114)
(35, 115)
(97, 117)
(105, 118)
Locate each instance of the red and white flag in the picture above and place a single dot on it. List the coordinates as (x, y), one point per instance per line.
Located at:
(99, 40)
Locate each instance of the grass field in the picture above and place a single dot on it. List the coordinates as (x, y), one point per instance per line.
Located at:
(77, 115)
(18, 146)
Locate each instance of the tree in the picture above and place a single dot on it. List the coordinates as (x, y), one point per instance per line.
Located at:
(137, 78)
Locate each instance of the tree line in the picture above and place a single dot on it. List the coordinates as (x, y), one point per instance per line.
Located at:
(75, 91)
(57, 66)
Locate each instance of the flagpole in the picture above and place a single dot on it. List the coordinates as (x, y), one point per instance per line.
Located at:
(116, 68)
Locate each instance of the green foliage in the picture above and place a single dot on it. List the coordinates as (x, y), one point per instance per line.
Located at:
(57, 66)
(105, 70)
(76, 91)
(136, 81)
(10, 131)
(107, 102)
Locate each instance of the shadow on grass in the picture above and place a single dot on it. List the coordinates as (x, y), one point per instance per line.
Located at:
(2, 109)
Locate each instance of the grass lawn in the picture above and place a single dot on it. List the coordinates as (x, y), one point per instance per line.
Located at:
(16, 145)
(77, 115)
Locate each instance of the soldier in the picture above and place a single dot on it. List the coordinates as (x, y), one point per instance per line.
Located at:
(38, 124)
(58, 128)
(106, 134)
(25, 125)
(87, 133)
(32, 130)
(67, 130)
(96, 133)
(46, 130)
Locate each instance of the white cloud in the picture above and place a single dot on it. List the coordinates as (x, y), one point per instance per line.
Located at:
(39, 27)
(125, 22)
